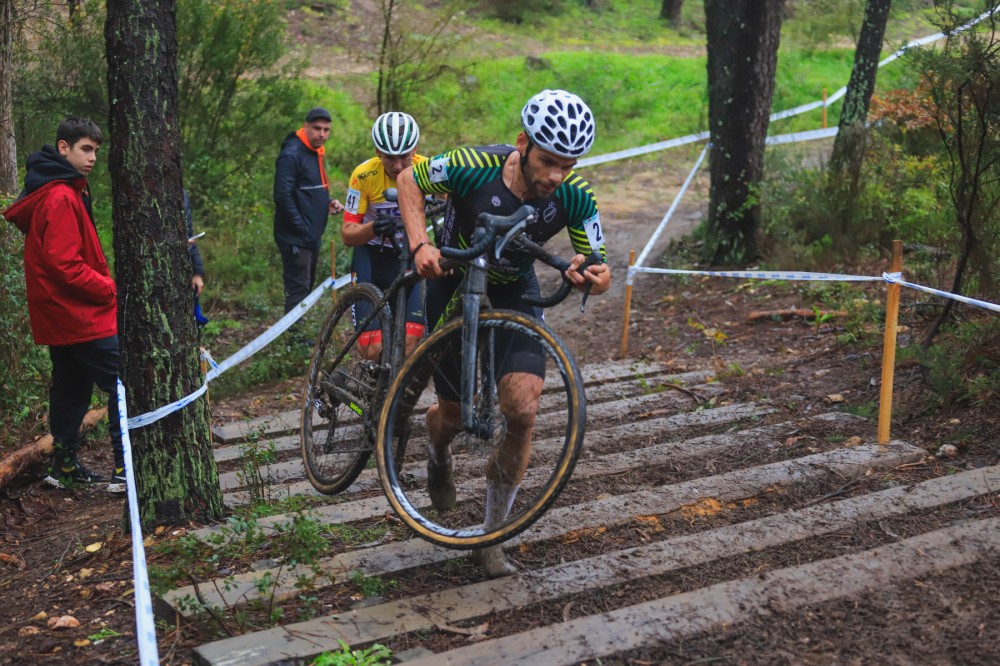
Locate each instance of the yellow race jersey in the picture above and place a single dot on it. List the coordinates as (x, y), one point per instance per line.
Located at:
(366, 193)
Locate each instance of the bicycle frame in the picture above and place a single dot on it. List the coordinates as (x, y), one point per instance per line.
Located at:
(475, 292)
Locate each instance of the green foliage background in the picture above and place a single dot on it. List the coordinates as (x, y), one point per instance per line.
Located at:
(243, 87)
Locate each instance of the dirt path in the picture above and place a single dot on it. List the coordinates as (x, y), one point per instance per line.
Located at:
(757, 524)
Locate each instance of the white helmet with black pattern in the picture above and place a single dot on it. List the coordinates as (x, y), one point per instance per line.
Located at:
(559, 122)
(395, 133)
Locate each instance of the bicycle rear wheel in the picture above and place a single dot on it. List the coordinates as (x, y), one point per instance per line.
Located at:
(343, 393)
(555, 443)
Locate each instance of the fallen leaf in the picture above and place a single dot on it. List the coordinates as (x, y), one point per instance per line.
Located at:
(28, 631)
(64, 622)
(85, 573)
(853, 441)
(86, 593)
(106, 586)
(835, 397)
(94, 547)
(12, 560)
(42, 615)
(159, 530)
(83, 642)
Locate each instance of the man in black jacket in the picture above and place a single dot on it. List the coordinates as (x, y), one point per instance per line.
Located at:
(302, 203)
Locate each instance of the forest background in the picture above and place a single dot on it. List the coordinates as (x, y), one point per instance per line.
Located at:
(250, 68)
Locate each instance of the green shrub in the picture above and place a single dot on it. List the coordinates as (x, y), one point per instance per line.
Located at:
(24, 366)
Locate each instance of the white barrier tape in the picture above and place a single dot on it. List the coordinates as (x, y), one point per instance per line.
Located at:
(788, 113)
(795, 137)
(249, 350)
(279, 326)
(779, 115)
(836, 96)
(766, 275)
(145, 625)
(895, 278)
(666, 218)
(207, 357)
(641, 150)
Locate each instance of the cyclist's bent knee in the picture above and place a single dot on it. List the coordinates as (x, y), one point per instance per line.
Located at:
(519, 396)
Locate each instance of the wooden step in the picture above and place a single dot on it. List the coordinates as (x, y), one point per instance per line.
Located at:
(477, 600)
(643, 406)
(617, 510)
(286, 422)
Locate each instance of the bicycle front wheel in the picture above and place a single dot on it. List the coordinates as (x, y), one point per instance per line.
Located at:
(344, 387)
(546, 463)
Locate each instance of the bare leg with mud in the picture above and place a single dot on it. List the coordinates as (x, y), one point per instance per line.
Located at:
(519, 396)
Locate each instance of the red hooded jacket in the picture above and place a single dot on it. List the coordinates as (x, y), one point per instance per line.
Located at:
(71, 296)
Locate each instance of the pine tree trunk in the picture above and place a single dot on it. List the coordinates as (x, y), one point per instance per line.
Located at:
(175, 470)
(8, 146)
(849, 146)
(671, 10)
(742, 57)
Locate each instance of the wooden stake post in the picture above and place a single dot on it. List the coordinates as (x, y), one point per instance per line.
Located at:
(628, 308)
(889, 351)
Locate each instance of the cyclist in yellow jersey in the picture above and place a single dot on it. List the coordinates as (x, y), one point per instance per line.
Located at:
(558, 128)
(370, 220)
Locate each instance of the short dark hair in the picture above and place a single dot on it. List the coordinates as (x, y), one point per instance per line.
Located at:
(75, 128)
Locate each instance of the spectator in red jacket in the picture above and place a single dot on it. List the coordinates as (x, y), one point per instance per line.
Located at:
(71, 296)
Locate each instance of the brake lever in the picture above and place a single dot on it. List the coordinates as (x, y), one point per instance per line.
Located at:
(592, 260)
(509, 236)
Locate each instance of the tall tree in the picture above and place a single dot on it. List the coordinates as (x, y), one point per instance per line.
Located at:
(743, 40)
(175, 471)
(8, 146)
(848, 147)
(671, 10)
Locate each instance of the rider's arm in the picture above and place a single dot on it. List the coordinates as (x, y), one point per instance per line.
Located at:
(587, 236)
(411, 207)
(355, 232)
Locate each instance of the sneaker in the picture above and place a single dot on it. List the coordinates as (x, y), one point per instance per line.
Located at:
(441, 485)
(68, 477)
(117, 484)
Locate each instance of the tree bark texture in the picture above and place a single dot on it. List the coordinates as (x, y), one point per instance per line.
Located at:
(8, 146)
(671, 10)
(175, 470)
(743, 38)
(849, 146)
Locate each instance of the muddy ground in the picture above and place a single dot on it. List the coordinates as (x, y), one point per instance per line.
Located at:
(64, 553)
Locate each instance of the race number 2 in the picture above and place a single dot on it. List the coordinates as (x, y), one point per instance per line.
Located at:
(595, 235)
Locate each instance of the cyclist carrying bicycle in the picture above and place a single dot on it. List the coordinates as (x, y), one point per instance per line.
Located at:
(558, 128)
(370, 223)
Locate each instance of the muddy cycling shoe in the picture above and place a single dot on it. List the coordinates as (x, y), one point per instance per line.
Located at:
(494, 562)
(441, 485)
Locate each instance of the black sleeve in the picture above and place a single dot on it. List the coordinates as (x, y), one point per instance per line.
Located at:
(284, 185)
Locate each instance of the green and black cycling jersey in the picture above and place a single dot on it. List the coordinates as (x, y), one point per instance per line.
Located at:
(473, 177)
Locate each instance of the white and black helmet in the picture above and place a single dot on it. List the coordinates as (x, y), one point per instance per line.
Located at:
(559, 122)
(395, 133)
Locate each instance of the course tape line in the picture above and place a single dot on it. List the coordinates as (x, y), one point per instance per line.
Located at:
(666, 218)
(145, 625)
(897, 279)
(778, 115)
(771, 140)
(761, 275)
(249, 350)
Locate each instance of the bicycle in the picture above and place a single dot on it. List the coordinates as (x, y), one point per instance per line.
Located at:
(345, 384)
(487, 339)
